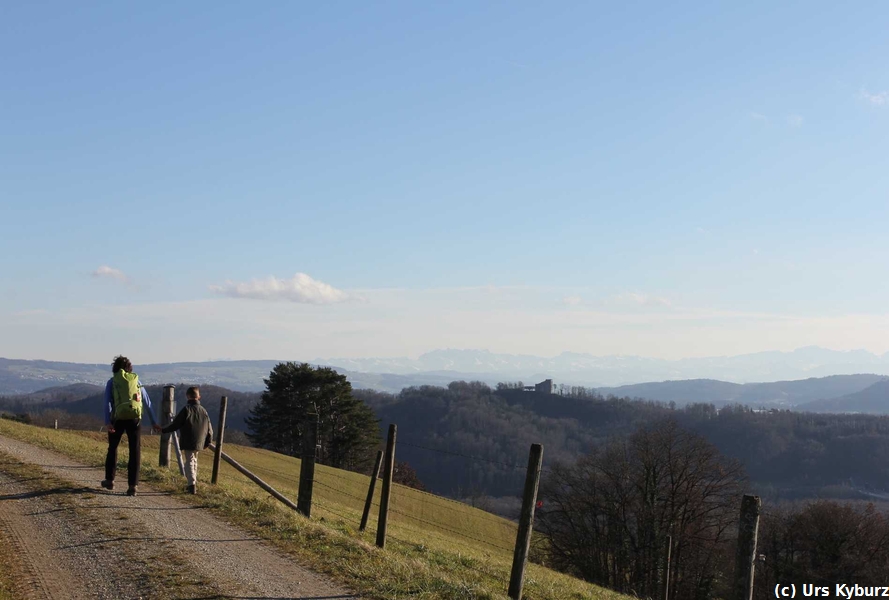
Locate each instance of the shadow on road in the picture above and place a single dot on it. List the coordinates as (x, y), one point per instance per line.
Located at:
(158, 508)
(50, 492)
(157, 539)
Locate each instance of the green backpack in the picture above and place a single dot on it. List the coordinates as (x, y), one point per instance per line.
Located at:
(127, 396)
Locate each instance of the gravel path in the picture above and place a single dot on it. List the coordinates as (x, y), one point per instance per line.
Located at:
(22, 515)
(71, 537)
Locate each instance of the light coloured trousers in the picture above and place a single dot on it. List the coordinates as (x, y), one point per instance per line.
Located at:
(190, 458)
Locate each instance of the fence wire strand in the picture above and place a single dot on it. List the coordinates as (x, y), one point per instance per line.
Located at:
(419, 503)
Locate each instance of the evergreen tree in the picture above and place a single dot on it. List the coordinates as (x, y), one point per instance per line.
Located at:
(347, 428)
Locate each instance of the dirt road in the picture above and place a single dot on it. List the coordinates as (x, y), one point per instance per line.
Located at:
(73, 539)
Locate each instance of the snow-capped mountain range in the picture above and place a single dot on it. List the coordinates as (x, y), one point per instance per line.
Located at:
(589, 369)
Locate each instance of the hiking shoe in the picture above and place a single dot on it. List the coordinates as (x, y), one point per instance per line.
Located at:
(131, 491)
(191, 489)
(108, 484)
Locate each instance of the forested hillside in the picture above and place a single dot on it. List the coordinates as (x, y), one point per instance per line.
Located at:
(873, 400)
(786, 454)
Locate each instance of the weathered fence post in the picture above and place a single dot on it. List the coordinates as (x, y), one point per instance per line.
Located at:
(667, 552)
(56, 424)
(220, 434)
(168, 407)
(388, 470)
(523, 538)
(745, 560)
(370, 490)
(307, 465)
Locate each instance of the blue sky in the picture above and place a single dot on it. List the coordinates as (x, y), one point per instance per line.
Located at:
(670, 181)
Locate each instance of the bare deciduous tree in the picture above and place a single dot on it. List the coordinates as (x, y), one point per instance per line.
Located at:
(608, 516)
(823, 543)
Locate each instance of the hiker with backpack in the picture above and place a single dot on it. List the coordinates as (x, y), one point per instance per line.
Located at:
(124, 396)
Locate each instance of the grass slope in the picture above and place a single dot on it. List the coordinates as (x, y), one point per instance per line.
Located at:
(437, 548)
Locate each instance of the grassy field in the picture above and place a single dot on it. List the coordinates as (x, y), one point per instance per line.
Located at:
(436, 548)
(414, 516)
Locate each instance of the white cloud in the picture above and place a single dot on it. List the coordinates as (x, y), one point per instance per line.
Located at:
(107, 272)
(758, 117)
(300, 288)
(877, 99)
(635, 299)
(795, 120)
(572, 300)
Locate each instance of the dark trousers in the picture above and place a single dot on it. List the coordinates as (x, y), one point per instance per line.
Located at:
(131, 428)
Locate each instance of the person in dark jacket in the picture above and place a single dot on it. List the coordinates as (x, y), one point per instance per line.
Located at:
(195, 434)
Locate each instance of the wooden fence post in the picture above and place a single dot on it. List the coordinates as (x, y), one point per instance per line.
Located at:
(388, 470)
(168, 408)
(307, 465)
(220, 434)
(370, 490)
(523, 538)
(668, 551)
(745, 560)
(56, 424)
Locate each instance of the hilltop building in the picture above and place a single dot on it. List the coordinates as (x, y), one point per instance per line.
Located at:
(544, 387)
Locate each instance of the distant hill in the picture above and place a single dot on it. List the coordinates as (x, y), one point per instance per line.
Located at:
(442, 366)
(62, 393)
(779, 394)
(26, 376)
(239, 403)
(681, 392)
(873, 399)
(60, 397)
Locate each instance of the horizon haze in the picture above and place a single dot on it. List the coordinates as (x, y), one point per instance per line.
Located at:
(440, 367)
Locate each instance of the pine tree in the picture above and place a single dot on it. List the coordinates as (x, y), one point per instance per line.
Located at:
(347, 428)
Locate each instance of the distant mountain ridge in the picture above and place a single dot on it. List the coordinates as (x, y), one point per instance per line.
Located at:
(440, 367)
(599, 371)
(800, 395)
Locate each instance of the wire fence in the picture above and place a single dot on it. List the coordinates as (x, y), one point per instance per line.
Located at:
(415, 516)
(458, 518)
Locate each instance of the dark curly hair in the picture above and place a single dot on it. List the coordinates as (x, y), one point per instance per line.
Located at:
(121, 362)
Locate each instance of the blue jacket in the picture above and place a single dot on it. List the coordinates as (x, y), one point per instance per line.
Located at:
(109, 403)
